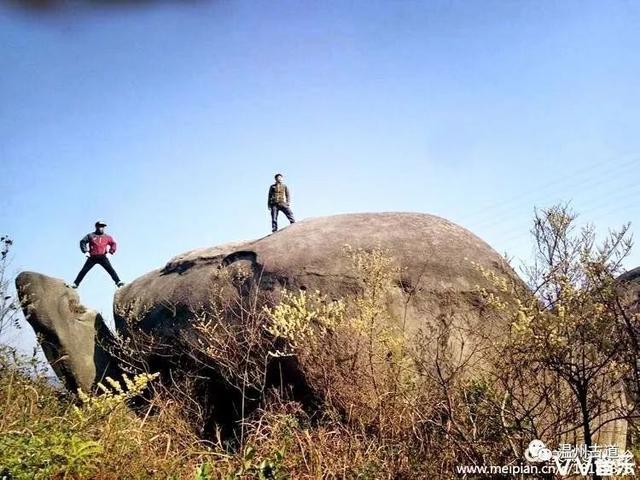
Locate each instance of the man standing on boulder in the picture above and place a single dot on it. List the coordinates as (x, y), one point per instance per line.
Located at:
(278, 200)
(95, 246)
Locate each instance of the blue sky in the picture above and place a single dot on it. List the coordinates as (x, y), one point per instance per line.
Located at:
(169, 119)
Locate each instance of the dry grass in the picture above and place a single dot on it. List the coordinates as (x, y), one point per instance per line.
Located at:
(47, 433)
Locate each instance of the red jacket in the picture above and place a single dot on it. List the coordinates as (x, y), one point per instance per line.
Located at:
(97, 244)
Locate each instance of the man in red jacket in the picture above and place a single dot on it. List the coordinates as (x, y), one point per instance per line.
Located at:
(95, 246)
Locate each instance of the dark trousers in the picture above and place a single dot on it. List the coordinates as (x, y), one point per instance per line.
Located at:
(274, 215)
(100, 260)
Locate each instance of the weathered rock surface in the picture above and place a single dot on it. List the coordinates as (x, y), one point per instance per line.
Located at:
(71, 336)
(437, 255)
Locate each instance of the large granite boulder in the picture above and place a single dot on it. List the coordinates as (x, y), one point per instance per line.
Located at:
(439, 259)
(435, 287)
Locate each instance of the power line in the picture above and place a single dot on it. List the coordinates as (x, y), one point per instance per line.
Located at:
(566, 181)
(513, 234)
(583, 207)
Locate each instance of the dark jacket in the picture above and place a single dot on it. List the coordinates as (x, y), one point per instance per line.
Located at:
(278, 195)
(97, 244)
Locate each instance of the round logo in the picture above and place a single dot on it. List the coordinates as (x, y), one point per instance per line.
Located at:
(537, 451)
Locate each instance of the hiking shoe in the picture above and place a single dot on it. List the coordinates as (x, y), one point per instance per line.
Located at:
(120, 284)
(73, 285)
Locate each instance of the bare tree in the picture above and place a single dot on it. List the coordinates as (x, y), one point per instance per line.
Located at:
(567, 359)
(8, 303)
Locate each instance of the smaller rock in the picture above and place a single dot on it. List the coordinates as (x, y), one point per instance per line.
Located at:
(71, 335)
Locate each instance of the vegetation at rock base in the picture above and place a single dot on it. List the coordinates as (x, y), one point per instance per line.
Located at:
(391, 404)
